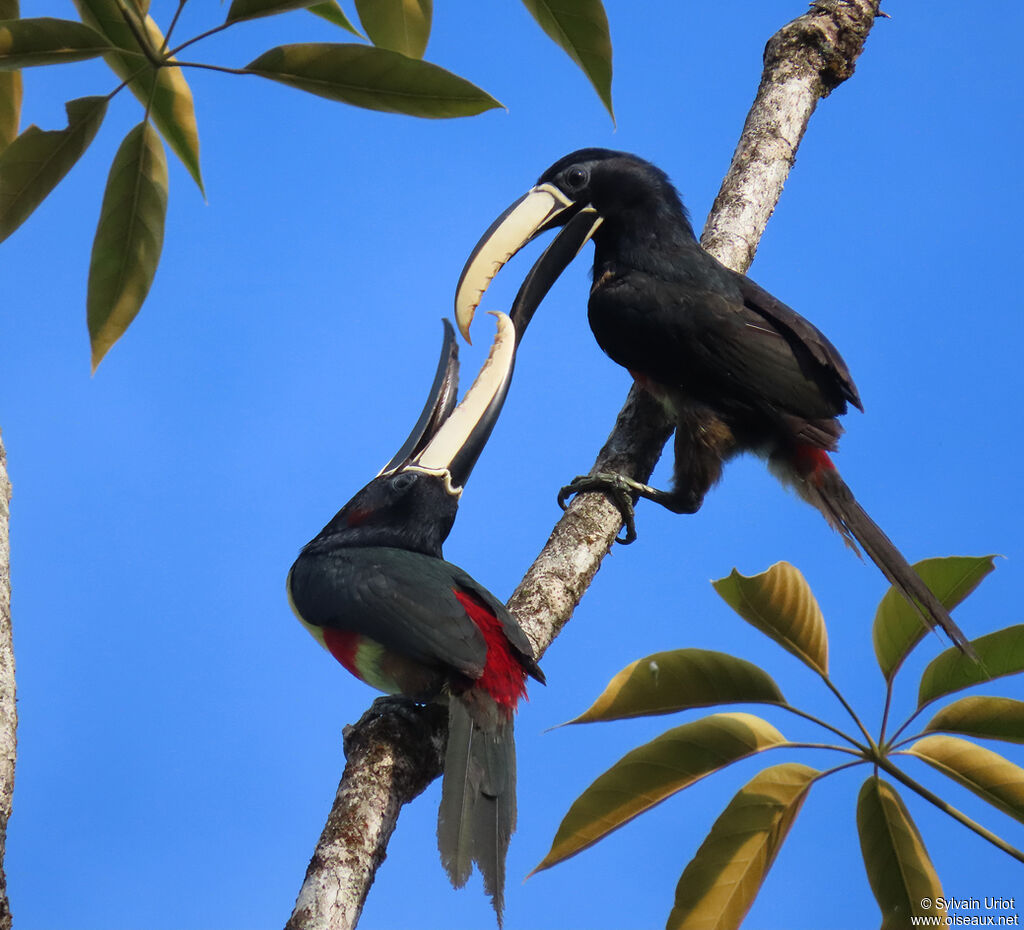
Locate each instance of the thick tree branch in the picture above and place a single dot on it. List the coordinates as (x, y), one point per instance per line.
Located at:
(803, 63)
(8, 708)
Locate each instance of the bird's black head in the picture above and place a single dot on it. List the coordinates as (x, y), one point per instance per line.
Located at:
(412, 502)
(406, 509)
(627, 205)
(617, 185)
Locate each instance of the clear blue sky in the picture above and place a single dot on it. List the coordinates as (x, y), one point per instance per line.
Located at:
(180, 739)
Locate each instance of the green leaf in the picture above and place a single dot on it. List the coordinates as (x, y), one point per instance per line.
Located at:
(333, 13)
(25, 43)
(400, 25)
(898, 628)
(374, 78)
(129, 238)
(171, 109)
(251, 9)
(780, 603)
(35, 162)
(671, 681)
(10, 107)
(650, 773)
(986, 717)
(1000, 653)
(991, 777)
(10, 88)
(722, 880)
(895, 858)
(580, 27)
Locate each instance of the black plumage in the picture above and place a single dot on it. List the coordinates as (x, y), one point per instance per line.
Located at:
(737, 369)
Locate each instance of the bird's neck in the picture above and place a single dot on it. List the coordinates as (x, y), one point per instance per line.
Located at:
(424, 537)
(643, 240)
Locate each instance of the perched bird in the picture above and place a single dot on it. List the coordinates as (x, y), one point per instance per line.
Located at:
(735, 368)
(373, 588)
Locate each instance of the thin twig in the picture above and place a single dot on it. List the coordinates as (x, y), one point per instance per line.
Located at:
(170, 28)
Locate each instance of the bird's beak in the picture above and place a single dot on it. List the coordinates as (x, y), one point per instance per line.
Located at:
(439, 405)
(542, 208)
(447, 442)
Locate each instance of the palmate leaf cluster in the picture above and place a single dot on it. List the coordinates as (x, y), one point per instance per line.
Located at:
(719, 885)
(383, 70)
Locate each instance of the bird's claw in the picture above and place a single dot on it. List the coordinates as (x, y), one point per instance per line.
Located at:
(397, 704)
(618, 491)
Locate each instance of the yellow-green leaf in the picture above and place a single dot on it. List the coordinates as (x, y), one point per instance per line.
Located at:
(164, 91)
(683, 678)
(986, 717)
(580, 27)
(35, 162)
(250, 9)
(374, 78)
(991, 777)
(650, 773)
(722, 880)
(780, 603)
(129, 238)
(898, 626)
(10, 88)
(25, 43)
(333, 13)
(1000, 653)
(899, 869)
(400, 25)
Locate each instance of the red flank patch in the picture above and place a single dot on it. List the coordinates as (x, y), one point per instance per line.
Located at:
(503, 678)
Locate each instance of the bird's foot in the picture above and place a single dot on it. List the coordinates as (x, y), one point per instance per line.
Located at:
(397, 705)
(619, 490)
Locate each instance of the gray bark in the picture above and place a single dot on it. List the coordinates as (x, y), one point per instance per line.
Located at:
(804, 61)
(8, 708)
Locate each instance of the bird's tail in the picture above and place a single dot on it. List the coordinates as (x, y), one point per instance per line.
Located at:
(819, 483)
(478, 797)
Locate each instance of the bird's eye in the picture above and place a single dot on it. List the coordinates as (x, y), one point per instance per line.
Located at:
(577, 177)
(403, 481)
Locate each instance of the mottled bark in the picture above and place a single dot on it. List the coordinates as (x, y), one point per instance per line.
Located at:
(392, 757)
(803, 63)
(8, 708)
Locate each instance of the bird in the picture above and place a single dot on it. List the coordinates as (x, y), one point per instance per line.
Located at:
(374, 590)
(735, 368)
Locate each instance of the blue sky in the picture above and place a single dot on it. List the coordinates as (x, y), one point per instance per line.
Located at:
(180, 739)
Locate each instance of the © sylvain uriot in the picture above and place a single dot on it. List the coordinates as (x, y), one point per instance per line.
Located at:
(373, 588)
(736, 369)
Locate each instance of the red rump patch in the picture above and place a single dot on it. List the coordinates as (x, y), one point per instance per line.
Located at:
(810, 462)
(343, 644)
(503, 678)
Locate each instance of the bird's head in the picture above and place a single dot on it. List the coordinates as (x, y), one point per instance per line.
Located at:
(615, 197)
(412, 502)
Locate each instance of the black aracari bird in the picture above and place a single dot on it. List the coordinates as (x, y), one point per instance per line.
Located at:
(374, 590)
(735, 368)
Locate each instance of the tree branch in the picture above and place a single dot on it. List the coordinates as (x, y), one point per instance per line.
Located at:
(804, 62)
(8, 708)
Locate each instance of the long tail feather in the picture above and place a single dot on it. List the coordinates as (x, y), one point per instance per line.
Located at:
(478, 800)
(826, 490)
(459, 791)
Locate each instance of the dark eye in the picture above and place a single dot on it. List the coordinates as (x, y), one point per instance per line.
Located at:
(577, 177)
(403, 481)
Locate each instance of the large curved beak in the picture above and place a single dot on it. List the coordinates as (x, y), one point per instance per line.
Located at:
(438, 407)
(447, 442)
(541, 208)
